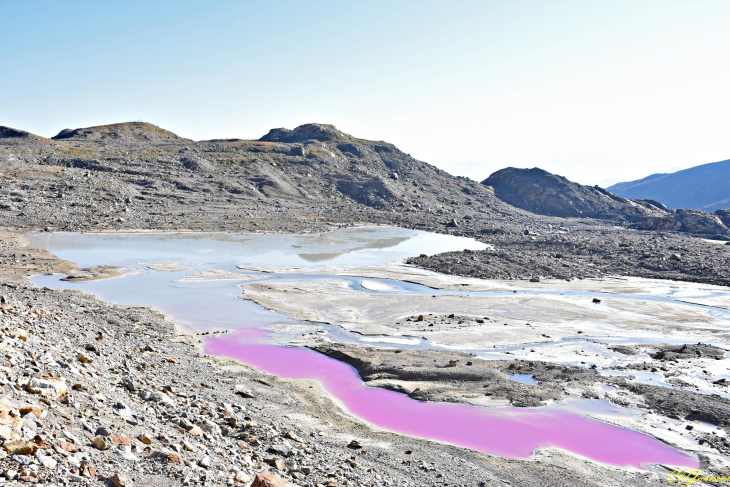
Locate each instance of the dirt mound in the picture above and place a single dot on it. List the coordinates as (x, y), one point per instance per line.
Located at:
(119, 132)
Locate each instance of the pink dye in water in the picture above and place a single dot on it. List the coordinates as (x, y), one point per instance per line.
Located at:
(508, 432)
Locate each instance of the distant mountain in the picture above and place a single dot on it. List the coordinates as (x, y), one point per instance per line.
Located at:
(705, 187)
(544, 193)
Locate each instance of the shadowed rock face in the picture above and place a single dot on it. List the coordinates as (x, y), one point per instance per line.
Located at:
(545, 193)
(724, 216)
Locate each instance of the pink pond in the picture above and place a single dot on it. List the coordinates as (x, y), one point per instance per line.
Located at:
(509, 432)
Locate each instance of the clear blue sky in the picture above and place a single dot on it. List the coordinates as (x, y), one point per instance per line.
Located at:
(593, 90)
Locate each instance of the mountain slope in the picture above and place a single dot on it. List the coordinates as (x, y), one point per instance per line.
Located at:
(541, 192)
(137, 175)
(705, 187)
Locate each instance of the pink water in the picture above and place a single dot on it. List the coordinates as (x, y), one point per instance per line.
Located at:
(508, 432)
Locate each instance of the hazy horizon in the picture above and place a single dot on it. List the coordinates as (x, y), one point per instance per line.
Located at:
(590, 90)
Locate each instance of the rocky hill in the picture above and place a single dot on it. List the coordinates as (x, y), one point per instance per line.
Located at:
(119, 132)
(544, 193)
(11, 133)
(541, 192)
(9, 136)
(702, 187)
(137, 175)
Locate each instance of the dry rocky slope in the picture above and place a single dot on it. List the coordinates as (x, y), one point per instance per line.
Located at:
(142, 405)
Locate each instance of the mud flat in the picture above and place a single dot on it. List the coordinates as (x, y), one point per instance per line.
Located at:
(468, 320)
(100, 272)
(629, 343)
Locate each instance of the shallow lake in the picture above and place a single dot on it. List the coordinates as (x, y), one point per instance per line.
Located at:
(207, 304)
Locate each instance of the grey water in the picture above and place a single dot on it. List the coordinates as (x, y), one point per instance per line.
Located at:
(205, 305)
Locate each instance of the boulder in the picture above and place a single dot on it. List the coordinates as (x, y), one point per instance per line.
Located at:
(20, 447)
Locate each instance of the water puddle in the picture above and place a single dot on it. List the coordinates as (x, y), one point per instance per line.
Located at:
(523, 378)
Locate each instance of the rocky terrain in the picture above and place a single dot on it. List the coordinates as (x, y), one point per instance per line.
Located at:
(135, 176)
(95, 392)
(591, 251)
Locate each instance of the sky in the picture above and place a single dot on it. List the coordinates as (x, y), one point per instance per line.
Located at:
(596, 91)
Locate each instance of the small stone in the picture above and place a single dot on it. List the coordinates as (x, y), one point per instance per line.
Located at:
(145, 438)
(34, 410)
(204, 462)
(99, 443)
(355, 444)
(196, 431)
(67, 446)
(83, 358)
(20, 447)
(241, 477)
(243, 392)
(268, 479)
(120, 480)
(596, 300)
(452, 363)
(53, 387)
